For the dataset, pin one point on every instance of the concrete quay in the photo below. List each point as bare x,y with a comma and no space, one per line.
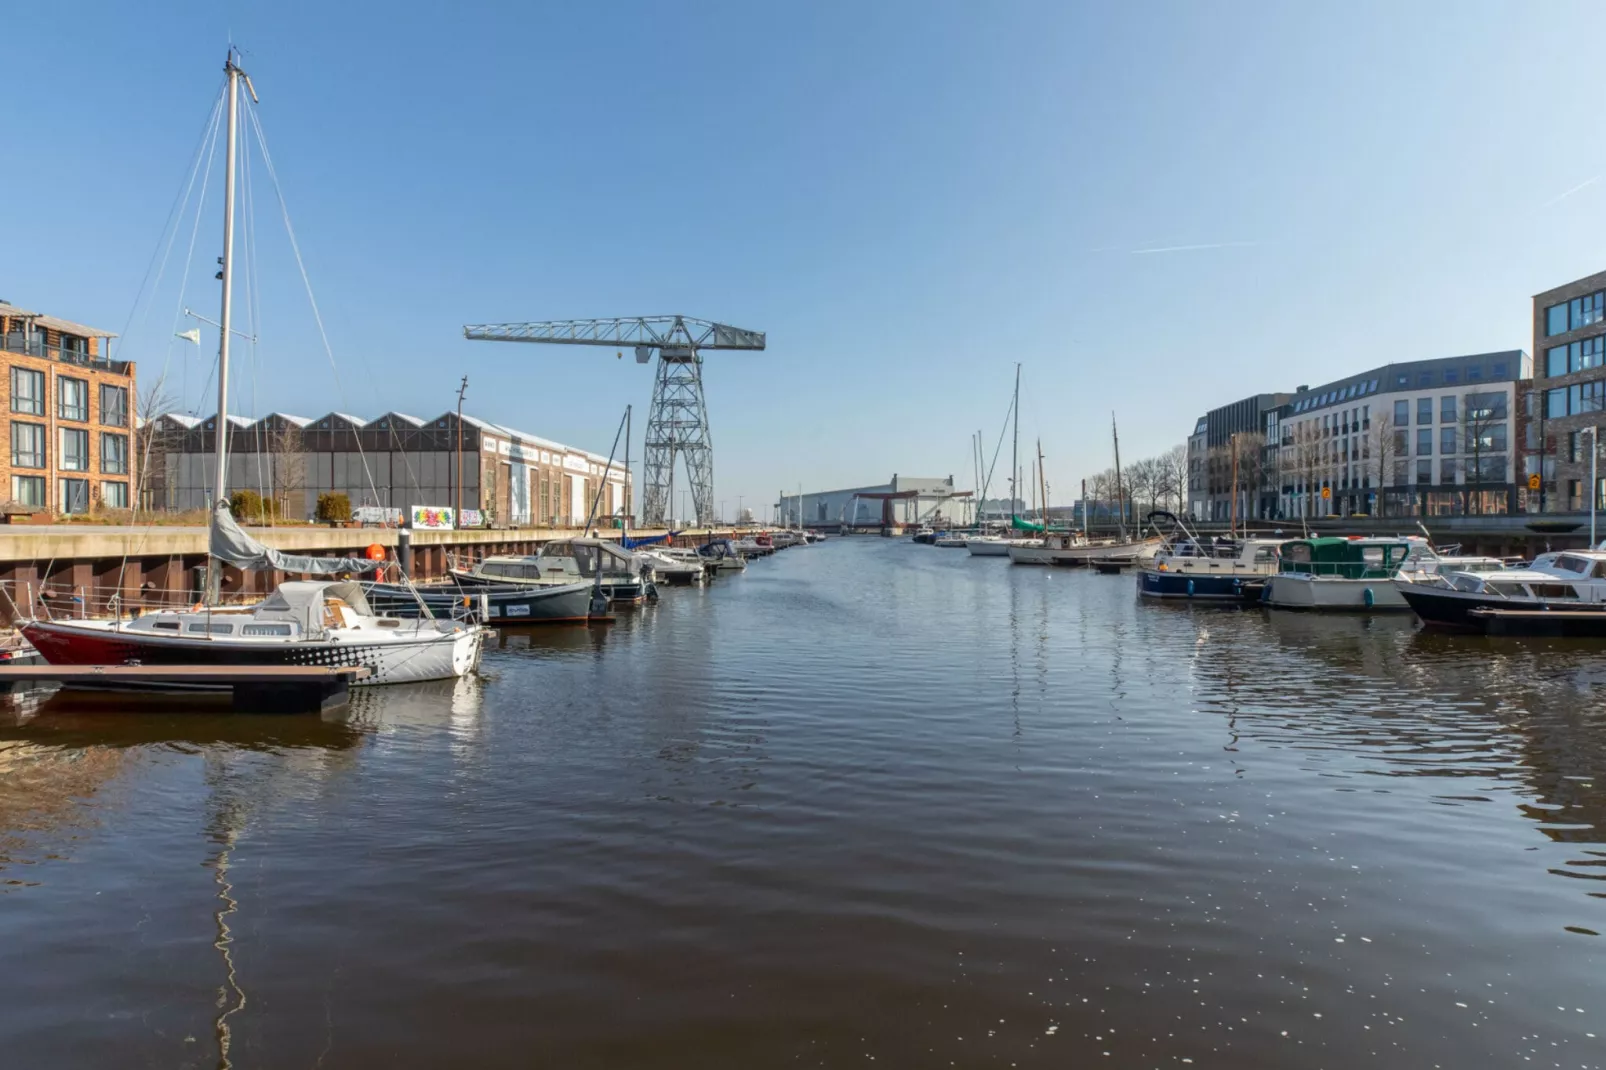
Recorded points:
80,569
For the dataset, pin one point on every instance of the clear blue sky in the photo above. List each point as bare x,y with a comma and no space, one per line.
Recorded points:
909,197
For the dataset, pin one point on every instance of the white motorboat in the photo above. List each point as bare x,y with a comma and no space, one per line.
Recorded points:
565,561
1562,592
1344,574
674,566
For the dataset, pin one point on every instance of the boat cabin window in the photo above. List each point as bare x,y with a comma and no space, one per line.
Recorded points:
1508,590
1553,590
1265,555
211,629
165,625
1571,563
1298,553
1599,571
265,629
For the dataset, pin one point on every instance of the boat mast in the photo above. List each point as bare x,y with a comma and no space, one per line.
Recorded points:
1042,481
1120,497
1014,450
220,485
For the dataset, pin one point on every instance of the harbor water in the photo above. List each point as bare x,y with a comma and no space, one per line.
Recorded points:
868,803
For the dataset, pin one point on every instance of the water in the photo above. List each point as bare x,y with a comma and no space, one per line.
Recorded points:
870,802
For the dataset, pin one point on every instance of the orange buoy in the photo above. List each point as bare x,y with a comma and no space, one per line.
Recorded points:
375,552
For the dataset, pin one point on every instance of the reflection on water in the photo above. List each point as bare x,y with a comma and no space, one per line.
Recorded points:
868,801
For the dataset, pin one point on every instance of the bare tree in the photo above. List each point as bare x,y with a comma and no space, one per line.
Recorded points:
1174,476
287,457
152,440
1483,425
1308,462
1381,450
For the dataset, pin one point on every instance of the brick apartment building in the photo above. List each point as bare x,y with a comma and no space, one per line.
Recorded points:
69,410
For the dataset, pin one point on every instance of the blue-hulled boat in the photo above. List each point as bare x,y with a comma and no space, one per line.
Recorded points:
1209,570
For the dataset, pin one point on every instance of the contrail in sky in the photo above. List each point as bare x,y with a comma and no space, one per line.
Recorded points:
1585,184
1191,248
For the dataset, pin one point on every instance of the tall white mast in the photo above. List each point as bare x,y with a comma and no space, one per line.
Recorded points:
221,485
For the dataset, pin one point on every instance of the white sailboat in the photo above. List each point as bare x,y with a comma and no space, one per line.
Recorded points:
324,623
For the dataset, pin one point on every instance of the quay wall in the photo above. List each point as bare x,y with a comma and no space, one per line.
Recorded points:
79,570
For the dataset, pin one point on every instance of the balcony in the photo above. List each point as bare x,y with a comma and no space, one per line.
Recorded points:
32,347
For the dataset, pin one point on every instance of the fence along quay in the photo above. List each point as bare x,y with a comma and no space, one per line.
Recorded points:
84,570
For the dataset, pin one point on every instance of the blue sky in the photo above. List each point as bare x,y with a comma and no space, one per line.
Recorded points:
908,197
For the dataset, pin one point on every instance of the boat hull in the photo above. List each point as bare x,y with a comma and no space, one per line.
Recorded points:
620,590
1471,611
1300,591
987,549
1197,587
443,653
510,605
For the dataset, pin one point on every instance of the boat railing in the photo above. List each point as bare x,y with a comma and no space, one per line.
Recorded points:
28,599
1346,570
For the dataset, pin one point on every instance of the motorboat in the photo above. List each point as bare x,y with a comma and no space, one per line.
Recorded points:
302,623
567,561
1343,573
678,567
1188,566
1074,549
1560,592
751,546
508,604
788,537
949,541
722,556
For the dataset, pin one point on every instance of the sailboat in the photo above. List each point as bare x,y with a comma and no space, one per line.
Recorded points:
325,622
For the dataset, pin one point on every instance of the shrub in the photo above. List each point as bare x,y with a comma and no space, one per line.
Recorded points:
248,505
334,508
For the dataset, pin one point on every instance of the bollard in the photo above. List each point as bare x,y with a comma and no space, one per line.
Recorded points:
404,550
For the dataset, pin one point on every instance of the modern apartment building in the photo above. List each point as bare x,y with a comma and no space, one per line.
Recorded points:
69,410
1569,330
1415,438
1210,457
392,462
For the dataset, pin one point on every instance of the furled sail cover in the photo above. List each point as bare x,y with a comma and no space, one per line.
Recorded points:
231,545
630,544
1023,525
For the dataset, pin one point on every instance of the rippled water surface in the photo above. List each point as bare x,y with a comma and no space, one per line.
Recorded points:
869,802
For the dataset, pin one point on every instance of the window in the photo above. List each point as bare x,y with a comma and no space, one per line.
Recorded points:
211,629
1556,402
1581,355
1486,439
75,495
114,494
165,625
114,405
113,454
1447,471
74,449
1487,406
28,391
27,445
265,629
1500,370
1447,409
1582,311
29,490
1424,410
1556,361
1402,413
72,402
1474,372
1446,440
1366,417
1490,469
1424,442
1586,397
1556,320
1450,376
1372,387
1403,380
1401,442
1574,446
1424,471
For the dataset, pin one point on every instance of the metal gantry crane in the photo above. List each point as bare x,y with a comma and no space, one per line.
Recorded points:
677,424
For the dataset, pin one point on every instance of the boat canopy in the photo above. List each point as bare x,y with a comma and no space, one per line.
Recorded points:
630,544
1345,558
586,552
303,600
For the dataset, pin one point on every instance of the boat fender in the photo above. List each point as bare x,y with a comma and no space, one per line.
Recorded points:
1190,588
599,602
652,593
1368,597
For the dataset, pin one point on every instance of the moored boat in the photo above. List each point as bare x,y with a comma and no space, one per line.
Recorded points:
1190,567
1561,592
492,604
1343,574
562,562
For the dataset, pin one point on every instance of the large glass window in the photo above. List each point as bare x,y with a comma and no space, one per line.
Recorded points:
113,454
1491,439
1402,413
1424,471
29,490
1556,402
1447,409
1447,471
114,405
1424,442
27,391
1424,410
1401,442
27,445
1447,438
1556,361
1586,353
75,495
114,494
1487,406
1582,311
1491,469
1556,320
72,402
74,449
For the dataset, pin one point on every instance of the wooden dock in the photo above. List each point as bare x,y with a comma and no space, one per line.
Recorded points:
253,688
